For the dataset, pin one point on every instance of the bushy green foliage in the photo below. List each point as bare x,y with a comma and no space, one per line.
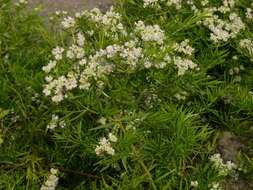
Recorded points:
166,124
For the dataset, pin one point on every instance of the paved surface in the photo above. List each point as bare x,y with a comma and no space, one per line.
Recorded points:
71,6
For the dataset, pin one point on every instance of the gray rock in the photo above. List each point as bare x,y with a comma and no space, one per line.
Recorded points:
229,146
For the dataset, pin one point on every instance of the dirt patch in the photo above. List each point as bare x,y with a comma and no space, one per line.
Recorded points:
102,4
50,6
238,185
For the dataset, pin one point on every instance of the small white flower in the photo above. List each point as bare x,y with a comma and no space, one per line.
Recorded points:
70,54
147,64
55,122
57,98
75,51
102,121
204,2
57,52
105,146
80,39
149,3
52,180
183,65
235,57
78,15
249,13
62,124
176,3
90,32
109,150
57,13
150,33
215,186
68,22
194,184
54,171
51,65
167,58
112,137
223,168
161,65
184,47
83,62
247,44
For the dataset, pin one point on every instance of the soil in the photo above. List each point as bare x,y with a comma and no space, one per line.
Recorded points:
50,6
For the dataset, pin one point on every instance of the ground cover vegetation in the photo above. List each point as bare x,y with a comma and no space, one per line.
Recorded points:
137,97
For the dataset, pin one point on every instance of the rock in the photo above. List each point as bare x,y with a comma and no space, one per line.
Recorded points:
229,146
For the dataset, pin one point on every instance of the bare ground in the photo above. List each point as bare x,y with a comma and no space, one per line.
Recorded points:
49,6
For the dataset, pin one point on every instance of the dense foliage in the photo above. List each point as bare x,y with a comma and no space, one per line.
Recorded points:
133,98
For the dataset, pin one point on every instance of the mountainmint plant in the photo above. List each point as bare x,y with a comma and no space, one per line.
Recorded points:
140,96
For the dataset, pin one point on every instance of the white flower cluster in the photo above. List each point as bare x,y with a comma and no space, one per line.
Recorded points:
194,184
58,13
249,13
176,3
85,71
131,53
151,3
95,67
111,20
102,121
223,168
52,180
204,2
50,66
80,39
181,96
99,66
147,3
247,44
227,5
105,146
215,186
192,5
223,30
150,33
149,60
57,88
184,47
236,70
55,122
184,64
68,22
57,53
75,52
